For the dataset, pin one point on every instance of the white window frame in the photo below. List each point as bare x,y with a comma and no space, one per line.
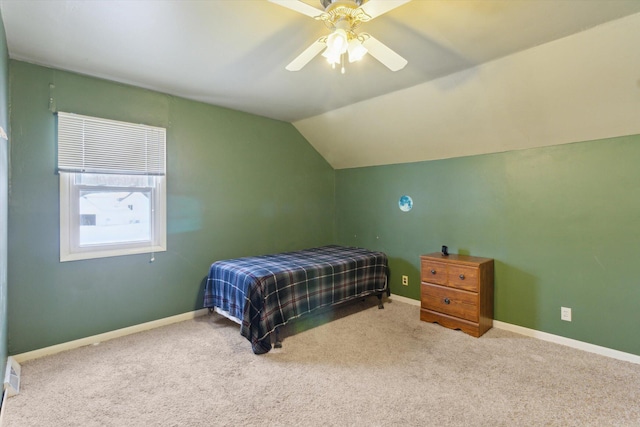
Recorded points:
70,249
72,162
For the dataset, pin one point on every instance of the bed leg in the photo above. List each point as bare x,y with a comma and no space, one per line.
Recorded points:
380,304
278,343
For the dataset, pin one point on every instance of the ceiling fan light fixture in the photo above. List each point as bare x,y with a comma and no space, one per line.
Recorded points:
338,41
356,50
343,17
332,59
332,56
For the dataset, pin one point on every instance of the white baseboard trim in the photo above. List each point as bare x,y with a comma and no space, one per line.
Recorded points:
580,345
47,351
404,300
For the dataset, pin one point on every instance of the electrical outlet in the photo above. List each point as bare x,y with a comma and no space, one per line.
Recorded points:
405,280
565,314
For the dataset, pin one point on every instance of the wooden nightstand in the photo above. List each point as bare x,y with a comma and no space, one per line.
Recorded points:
457,292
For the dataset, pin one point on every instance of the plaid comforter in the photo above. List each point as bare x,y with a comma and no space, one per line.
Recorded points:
264,292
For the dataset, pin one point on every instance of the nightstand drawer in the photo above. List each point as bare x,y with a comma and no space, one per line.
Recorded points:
434,272
461,277
450,301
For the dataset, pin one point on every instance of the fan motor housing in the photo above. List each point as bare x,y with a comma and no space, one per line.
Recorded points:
348,3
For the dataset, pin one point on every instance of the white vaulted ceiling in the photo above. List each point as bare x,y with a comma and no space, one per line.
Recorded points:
482,75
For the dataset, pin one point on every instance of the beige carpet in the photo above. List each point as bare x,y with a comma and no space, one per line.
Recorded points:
366,367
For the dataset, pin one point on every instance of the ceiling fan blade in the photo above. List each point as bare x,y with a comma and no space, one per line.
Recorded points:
300,7
306,56
375,8
382,53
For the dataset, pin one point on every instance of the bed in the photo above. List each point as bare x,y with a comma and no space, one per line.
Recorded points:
262,293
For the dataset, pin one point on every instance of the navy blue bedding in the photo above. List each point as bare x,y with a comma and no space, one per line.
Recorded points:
263,292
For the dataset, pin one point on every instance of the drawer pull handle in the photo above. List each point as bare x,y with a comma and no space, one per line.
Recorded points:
461,276
433,271
447,301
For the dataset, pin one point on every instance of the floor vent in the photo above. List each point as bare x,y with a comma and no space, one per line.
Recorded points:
12,377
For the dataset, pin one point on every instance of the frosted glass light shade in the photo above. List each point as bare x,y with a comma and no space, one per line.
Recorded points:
356,50
337,41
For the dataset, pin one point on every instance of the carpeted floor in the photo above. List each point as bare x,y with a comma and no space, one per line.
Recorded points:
366,367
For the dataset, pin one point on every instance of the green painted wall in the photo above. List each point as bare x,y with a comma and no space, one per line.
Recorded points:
4,191
562,223
237,185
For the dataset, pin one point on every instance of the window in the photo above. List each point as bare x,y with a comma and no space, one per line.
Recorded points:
112,188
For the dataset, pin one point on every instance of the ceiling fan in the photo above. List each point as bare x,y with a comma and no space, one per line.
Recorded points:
343,17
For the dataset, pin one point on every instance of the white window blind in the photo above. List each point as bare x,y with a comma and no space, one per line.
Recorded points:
94,145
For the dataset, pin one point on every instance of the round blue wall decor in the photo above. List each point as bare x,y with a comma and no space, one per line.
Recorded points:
405,203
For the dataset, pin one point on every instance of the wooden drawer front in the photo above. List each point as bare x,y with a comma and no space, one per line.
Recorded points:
450,301
463,278
433,272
